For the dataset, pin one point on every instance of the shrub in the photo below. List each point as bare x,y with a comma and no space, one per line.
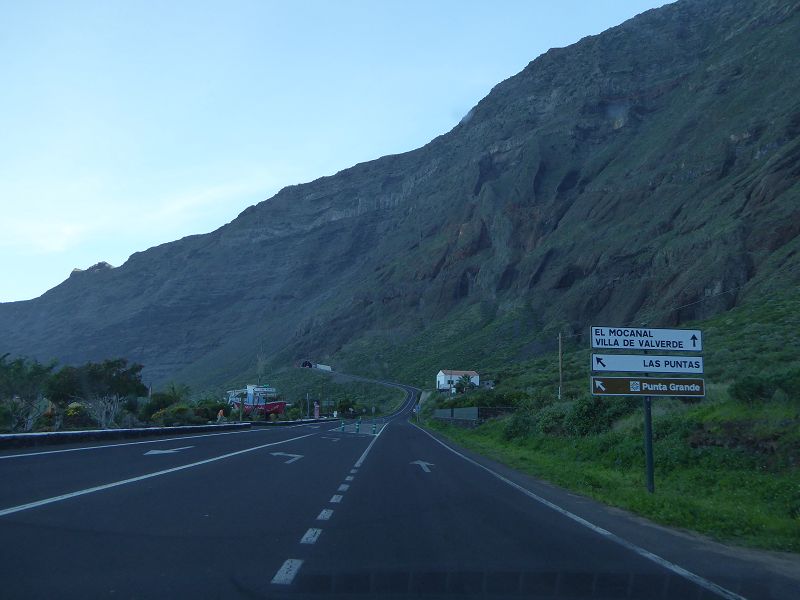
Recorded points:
208,409
551,419
752,389
131,404
590,415
177,414
77,417
156,403
519,425
5,417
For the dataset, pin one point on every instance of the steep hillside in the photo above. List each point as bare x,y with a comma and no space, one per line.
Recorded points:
648,174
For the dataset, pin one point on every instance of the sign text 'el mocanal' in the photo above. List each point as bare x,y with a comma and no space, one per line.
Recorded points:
633,338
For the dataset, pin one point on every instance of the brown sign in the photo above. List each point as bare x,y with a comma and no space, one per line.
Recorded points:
647,386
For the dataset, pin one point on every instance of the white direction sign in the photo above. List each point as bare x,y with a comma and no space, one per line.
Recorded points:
641,363
633,338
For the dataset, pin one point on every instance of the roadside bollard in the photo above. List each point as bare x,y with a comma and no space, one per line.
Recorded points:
374,429
358,425
342,429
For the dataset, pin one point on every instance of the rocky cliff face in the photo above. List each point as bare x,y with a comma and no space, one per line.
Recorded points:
648,174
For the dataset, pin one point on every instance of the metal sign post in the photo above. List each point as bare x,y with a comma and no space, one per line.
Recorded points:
648,444
646,340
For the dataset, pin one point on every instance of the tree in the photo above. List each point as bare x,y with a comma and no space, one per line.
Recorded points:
464,383
107,384
102,387
22,387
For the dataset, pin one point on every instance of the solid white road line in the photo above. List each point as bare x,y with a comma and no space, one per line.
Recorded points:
287,572
678,570
155,441
325,514
311,536
361,460
336,498
21,507
343,488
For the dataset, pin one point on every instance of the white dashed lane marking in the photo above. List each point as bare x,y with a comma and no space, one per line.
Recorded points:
311,536
325,514
343,488
287,572
336,498
349,478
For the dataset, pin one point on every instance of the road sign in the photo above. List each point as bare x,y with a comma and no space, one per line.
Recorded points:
632,338
647,386
642,363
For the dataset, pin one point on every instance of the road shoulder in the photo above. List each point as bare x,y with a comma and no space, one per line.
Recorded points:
698,553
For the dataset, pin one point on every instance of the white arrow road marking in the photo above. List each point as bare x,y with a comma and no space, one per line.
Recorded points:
292,457
599,385
99,488
424,465
172,451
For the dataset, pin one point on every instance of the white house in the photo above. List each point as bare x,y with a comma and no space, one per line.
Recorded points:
447,379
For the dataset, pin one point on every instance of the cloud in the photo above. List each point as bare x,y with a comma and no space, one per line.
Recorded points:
48,235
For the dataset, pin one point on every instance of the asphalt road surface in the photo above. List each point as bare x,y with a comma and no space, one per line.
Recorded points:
312,511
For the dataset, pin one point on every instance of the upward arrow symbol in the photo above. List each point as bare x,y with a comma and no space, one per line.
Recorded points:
694,340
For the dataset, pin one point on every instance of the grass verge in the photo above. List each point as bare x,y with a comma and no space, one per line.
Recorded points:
741,494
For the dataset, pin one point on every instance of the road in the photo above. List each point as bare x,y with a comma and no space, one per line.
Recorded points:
311,511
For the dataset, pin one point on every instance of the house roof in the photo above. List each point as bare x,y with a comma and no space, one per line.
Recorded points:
459,373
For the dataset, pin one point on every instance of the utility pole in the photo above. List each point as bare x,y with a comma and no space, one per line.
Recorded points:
560,370
647,404
308,408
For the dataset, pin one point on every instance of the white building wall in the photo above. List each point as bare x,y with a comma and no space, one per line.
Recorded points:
445,382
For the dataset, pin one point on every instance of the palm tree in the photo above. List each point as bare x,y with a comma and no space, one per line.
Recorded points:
465,382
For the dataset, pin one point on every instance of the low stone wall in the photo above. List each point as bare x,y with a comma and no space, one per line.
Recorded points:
17,440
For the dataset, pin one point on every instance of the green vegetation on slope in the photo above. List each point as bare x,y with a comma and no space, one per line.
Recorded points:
726,466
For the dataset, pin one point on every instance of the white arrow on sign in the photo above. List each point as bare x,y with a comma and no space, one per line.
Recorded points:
423,465
172,451
599,385
292,457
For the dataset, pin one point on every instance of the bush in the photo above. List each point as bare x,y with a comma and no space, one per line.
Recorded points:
77,417
296,412
591,415
551,419
5,417
519,425
177,414
208,409
156,403
752,389
131,404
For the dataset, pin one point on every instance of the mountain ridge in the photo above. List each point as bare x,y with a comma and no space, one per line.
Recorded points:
675,136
